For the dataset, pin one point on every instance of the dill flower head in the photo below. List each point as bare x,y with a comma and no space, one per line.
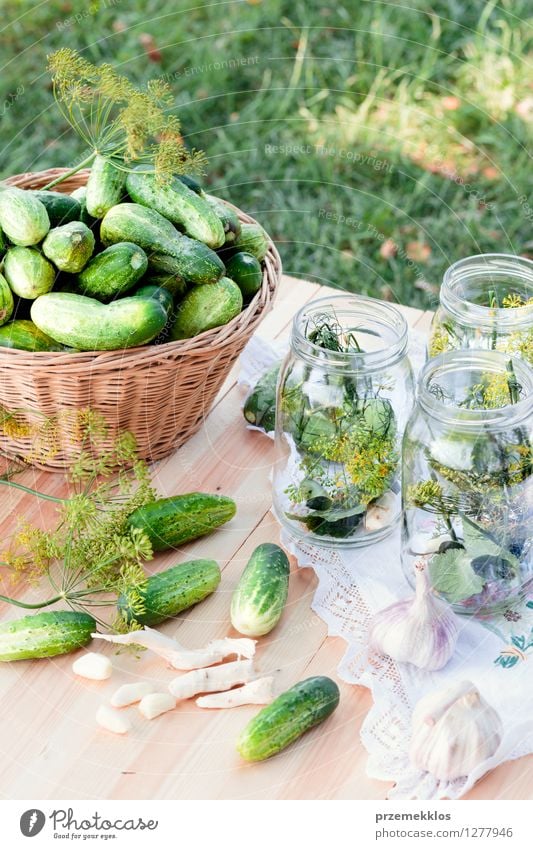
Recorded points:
124,123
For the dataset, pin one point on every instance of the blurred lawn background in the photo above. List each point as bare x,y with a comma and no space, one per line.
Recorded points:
377,143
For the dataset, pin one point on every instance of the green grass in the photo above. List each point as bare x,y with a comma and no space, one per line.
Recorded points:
377,143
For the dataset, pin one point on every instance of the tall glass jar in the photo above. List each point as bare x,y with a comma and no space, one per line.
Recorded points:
345,392
468,480
486,302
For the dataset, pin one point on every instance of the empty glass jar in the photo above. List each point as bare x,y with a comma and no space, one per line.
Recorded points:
345,392
468,480
486,302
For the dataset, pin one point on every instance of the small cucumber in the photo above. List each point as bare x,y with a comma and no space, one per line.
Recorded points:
161,294
289,716
45,635
164,270
113,271
253,240
260,404
132,222
188,210
169,522
28,272
205,307
23,217
105,187
229,218
80,194
245,270
7,303
88,325
24,335
70,246
261,593
61,208
170,592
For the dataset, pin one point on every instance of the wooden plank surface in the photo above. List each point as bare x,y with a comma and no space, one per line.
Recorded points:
50,745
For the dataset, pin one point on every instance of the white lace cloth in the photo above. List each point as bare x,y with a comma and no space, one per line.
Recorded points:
352,586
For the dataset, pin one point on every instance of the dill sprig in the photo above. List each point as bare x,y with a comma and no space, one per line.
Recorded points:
125,124
91,555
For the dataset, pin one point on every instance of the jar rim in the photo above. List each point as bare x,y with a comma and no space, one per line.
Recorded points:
380,312
508,265
491,361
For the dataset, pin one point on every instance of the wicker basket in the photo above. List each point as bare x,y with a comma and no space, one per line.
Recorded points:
160,393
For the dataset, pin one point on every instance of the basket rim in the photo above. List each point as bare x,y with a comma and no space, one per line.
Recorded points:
208,342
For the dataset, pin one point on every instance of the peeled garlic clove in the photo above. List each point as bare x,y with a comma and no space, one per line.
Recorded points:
381,513
155,704
112,720
93,665
422,630
128,694
425,544
454,730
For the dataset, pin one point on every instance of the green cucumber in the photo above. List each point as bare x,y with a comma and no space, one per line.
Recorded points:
28,272
188,210
191,183
131,222
205,307
245,270
289,716
261,593
169,522
60,208
45,635
111,273
170,592
105,187
260,404
24,335
7,303
23,217
164,270
228,216
70,246
80,194
148,290
88,325
253,240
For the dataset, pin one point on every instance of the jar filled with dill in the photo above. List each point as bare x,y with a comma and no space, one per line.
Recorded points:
345,392
486,302
468,481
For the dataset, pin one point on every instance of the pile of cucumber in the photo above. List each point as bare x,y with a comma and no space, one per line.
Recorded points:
124,261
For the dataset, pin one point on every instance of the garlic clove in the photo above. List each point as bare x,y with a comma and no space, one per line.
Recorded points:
422,630
454,730
426,544
112,720
154,704
381,512
93,665
128,694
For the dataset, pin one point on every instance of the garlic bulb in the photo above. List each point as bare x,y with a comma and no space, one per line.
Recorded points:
421,630
454,730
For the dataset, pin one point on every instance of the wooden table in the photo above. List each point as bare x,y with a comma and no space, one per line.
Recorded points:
50,746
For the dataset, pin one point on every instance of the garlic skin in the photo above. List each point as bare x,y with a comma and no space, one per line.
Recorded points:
422,630
454,730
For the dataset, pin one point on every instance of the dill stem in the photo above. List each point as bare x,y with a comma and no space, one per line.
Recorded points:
72,171
33,491
32,606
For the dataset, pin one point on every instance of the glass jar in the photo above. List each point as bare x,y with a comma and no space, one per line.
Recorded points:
468,480
486,302
345,392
